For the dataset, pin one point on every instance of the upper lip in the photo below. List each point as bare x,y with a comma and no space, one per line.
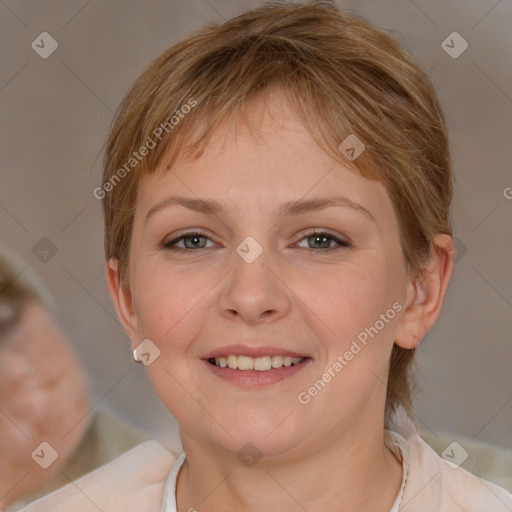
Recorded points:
244,350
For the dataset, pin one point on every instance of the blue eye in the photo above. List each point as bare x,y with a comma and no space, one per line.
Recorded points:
192,240
193,237
324,239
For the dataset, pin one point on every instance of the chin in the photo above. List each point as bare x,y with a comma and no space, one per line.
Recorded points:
264,434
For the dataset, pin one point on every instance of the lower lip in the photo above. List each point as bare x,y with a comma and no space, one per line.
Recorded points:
254,378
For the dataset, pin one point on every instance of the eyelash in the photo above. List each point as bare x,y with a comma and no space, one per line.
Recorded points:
170,246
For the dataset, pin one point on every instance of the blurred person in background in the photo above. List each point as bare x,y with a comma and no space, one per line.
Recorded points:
44,397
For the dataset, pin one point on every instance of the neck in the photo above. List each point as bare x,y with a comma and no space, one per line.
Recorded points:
350,473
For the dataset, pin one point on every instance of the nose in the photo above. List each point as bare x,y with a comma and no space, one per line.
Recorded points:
253,291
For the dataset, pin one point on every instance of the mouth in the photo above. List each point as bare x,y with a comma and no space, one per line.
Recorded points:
260,364
252,373
253,367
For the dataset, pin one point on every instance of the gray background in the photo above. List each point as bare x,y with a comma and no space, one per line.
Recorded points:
54,117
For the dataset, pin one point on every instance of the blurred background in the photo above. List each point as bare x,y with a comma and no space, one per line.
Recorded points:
57,99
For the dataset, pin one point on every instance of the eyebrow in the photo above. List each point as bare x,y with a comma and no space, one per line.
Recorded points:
211,206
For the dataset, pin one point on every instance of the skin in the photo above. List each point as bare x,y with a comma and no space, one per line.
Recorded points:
43,398
314,302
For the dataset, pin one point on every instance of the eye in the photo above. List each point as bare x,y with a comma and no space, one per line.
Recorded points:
191,240
198,240
323,240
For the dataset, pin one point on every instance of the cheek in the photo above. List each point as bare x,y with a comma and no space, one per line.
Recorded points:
350,295
167,304
351,309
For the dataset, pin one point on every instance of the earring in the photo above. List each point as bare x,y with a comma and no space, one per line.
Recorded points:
135,357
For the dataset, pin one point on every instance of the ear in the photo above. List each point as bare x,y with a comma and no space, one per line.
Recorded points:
425,294
121,299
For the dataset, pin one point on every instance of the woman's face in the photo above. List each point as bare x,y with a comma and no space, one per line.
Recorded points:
259,279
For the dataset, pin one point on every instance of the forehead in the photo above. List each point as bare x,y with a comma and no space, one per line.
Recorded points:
261,116
265,150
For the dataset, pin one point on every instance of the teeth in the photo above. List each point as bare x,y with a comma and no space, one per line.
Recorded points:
260,364
277,361
245,363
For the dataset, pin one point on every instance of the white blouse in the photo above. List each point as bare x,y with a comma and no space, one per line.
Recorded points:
144,479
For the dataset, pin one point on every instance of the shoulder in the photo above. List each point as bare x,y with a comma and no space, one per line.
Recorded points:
436,485
463,491
483,459
134,481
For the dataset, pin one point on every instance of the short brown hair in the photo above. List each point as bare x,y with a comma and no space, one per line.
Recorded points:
343,77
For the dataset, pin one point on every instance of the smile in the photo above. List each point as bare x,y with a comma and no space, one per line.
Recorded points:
260,364
258,372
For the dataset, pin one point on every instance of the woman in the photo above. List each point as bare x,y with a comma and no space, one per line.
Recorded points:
276,195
